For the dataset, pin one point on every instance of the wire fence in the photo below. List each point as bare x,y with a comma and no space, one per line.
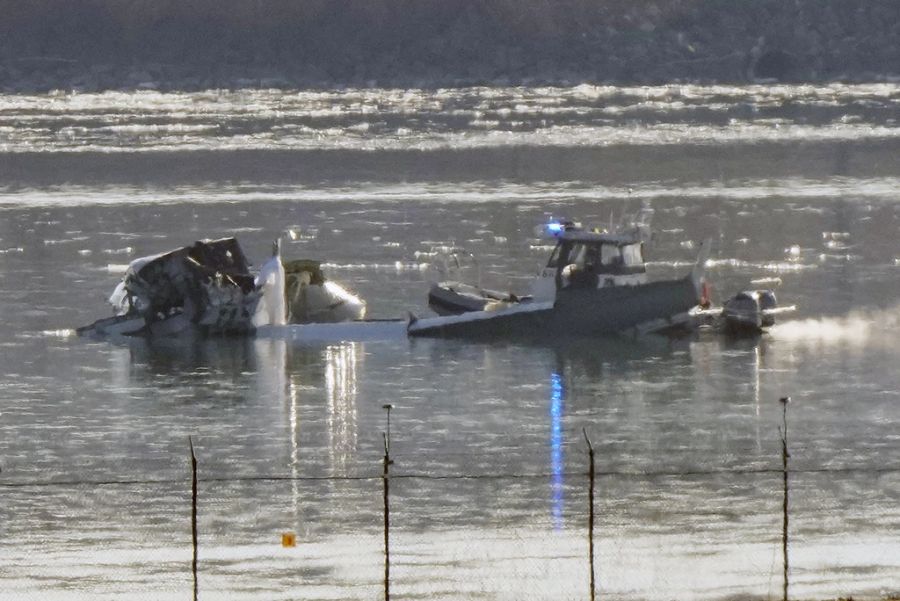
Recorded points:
400,511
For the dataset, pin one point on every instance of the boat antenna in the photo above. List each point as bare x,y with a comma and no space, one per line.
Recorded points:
276,247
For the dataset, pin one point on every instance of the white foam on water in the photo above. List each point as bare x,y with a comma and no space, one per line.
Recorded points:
856,328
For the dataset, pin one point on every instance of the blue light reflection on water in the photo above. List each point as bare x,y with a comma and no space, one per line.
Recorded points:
557,399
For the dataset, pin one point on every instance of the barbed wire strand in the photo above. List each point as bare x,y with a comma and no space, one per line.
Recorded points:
414,476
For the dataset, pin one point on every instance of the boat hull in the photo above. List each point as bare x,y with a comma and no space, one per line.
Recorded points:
575,313
455,298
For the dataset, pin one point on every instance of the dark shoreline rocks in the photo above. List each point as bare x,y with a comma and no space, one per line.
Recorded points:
95,45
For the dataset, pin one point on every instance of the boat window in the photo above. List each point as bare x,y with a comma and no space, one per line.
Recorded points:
592,256
609,254
632,255
556,256
578,254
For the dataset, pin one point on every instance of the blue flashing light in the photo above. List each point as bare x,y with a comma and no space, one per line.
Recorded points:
554,229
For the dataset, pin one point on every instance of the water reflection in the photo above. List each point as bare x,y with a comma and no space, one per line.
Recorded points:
297,382
557,401
341,390
301,378
178,356
294,400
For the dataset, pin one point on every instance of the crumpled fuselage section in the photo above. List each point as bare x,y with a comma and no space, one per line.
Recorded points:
207,284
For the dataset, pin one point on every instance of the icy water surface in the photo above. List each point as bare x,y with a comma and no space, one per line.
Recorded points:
796,187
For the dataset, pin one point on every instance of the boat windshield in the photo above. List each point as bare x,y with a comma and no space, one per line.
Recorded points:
599,257
632,255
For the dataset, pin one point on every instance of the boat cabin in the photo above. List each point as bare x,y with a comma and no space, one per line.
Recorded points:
596,260
591,259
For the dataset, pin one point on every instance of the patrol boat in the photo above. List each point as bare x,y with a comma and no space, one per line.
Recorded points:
594,283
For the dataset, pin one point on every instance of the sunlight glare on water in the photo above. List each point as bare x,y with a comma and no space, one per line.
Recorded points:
794,185
377,119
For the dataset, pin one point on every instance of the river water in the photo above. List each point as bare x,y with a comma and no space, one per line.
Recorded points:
796,186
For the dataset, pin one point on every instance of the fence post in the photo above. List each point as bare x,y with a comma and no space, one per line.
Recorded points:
385,477
194,515
590,510
784,508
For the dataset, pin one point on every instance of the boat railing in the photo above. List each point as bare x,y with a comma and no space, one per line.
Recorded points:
456,260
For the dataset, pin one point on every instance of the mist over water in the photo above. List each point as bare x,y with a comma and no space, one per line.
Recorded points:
795,185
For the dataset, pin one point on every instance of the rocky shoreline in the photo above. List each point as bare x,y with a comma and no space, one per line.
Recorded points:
197,44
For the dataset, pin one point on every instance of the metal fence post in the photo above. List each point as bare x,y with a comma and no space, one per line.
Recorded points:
784,509
590,510
385,477
194,516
